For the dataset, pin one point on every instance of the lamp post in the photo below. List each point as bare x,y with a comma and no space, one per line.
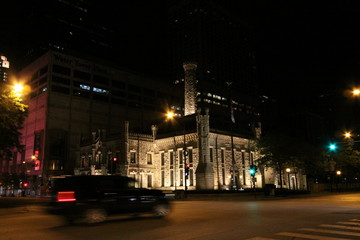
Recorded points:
288,170
170,115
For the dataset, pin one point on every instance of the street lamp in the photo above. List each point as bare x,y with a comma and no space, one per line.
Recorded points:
18,89
347,135
186,167
170,115
356,92
288,170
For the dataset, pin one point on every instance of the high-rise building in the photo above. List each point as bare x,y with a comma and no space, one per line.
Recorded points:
72,96
221,45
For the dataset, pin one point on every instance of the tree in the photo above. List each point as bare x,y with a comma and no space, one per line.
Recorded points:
348,160
279,150
12,115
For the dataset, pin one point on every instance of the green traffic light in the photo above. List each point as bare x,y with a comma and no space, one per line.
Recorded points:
332,147
253,170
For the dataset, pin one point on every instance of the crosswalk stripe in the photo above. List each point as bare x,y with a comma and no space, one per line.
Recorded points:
355,220
350,223
309,236
339,226
330,231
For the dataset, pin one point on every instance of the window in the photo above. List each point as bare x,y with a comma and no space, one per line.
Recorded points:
149,180
171,157
59,89
163,178
181,177
132,157
61,70
149,158
44,80
82,75
191,177
211,154
222,155
223,176
162,158
100,98
61,80
81,94
190,156
118,84
243,157
100,79
100,90
172,178
244,177
43,70
181,158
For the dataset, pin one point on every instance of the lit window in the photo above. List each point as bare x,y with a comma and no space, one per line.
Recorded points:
99,90
217,97
149,158
86,87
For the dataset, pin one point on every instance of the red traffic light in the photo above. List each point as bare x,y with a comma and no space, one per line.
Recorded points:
25,184
115,159
187,165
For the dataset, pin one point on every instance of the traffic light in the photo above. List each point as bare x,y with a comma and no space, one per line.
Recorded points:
253,170
332,147
25,184
187,169
115,159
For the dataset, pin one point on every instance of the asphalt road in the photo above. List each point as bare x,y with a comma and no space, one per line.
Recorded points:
331,216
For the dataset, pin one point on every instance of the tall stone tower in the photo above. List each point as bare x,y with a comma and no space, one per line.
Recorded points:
204,170
190,88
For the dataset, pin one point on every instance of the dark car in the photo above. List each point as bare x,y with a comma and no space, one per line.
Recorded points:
93,198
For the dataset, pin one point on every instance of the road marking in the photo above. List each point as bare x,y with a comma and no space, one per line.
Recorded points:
330,231
309,236
350,223
339,226
261,238
355,220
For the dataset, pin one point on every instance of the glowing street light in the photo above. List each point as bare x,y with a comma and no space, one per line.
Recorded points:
18,89
288,170
170,115
356,92
338,172
347,135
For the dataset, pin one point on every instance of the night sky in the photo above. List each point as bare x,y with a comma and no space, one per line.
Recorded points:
304,49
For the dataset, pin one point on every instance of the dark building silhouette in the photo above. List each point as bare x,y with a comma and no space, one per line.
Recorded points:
222,47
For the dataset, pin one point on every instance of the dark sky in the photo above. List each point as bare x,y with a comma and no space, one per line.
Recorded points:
303,48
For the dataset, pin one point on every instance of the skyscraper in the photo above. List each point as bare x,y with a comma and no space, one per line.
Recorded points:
221,46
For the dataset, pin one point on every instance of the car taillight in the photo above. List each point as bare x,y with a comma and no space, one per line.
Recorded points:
68,196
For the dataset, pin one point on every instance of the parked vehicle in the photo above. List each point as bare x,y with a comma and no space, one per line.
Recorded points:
93,198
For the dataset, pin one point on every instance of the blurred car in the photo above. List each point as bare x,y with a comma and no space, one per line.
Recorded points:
93,198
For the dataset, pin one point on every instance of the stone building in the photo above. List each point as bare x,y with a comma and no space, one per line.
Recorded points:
189,152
